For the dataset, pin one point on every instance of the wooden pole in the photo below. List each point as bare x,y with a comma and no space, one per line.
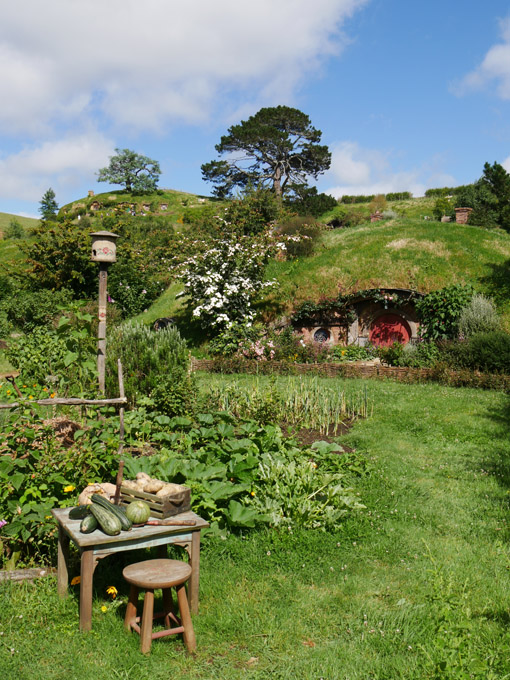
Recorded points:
101,330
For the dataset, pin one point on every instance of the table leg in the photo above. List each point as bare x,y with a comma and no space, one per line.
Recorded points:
87,571
194,558
62,562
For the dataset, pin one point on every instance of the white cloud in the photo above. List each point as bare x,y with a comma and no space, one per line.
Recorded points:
495,68
356,170
506,164
62,164
146,65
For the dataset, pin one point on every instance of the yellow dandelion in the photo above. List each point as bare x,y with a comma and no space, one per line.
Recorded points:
104,609
25,385
8,391
112,590
30,396
69,488
52,395
76,580
252,493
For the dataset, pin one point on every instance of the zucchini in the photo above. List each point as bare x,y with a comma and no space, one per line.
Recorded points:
79,511
88,524
108,522
125,523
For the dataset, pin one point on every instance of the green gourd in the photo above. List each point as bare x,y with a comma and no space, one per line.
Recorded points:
125,523
108,522
79,511
138,512
88,524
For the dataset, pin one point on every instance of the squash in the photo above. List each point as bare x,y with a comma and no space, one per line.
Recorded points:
79,511
108,522
138,512
125,523
88,524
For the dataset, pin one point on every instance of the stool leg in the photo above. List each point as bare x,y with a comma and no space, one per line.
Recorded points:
147,616
189,633
168,606
131,607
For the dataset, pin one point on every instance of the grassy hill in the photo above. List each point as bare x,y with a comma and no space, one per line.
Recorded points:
9,248
403,252
406,251
164,202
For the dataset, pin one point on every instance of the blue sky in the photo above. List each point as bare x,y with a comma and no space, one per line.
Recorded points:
408,95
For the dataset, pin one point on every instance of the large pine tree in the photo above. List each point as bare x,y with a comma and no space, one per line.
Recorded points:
277,147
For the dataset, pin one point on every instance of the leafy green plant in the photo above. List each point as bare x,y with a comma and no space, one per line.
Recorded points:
174,395
440,311
38,473
65,354
353,353
30,308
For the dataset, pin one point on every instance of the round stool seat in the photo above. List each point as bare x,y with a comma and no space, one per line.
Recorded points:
162,573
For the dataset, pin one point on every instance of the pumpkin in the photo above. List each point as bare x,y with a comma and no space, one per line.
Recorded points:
138,512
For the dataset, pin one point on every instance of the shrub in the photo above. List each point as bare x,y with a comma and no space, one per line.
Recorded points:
66,353
227,342
378,203
174,395
303,232
353,353
391,354
440,310
146,355
15,230
132,287
488,352
478,316
28,309
38,473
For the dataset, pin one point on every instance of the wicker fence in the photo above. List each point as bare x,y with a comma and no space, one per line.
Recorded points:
439,374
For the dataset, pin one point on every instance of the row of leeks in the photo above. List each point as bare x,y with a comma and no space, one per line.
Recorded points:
293,401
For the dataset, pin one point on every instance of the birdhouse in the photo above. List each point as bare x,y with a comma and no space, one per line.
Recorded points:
104,247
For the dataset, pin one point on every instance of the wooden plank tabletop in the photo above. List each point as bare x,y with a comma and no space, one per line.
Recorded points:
98,537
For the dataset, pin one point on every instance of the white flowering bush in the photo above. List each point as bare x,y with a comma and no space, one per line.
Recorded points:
222,282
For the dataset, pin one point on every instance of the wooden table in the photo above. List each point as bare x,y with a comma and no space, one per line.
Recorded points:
93,547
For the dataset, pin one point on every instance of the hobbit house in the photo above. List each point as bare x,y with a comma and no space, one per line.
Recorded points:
378,316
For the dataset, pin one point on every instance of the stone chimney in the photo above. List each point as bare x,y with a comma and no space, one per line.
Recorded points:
462,215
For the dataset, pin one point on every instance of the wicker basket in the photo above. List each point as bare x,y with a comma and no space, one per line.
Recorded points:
161,506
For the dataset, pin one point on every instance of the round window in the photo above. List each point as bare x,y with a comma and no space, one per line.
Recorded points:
322,335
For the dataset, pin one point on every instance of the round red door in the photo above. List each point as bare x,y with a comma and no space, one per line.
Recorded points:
390,328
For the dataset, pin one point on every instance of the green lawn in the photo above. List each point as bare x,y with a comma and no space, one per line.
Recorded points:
416,586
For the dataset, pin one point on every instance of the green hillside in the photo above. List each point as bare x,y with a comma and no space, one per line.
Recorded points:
406,251
9,248
403,253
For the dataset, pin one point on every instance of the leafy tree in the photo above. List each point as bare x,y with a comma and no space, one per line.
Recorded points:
307,201
138,174
58,258
48,205
443,206
275,148
489,197
497,180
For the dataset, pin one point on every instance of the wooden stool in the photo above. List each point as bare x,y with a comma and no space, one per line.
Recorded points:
164,574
